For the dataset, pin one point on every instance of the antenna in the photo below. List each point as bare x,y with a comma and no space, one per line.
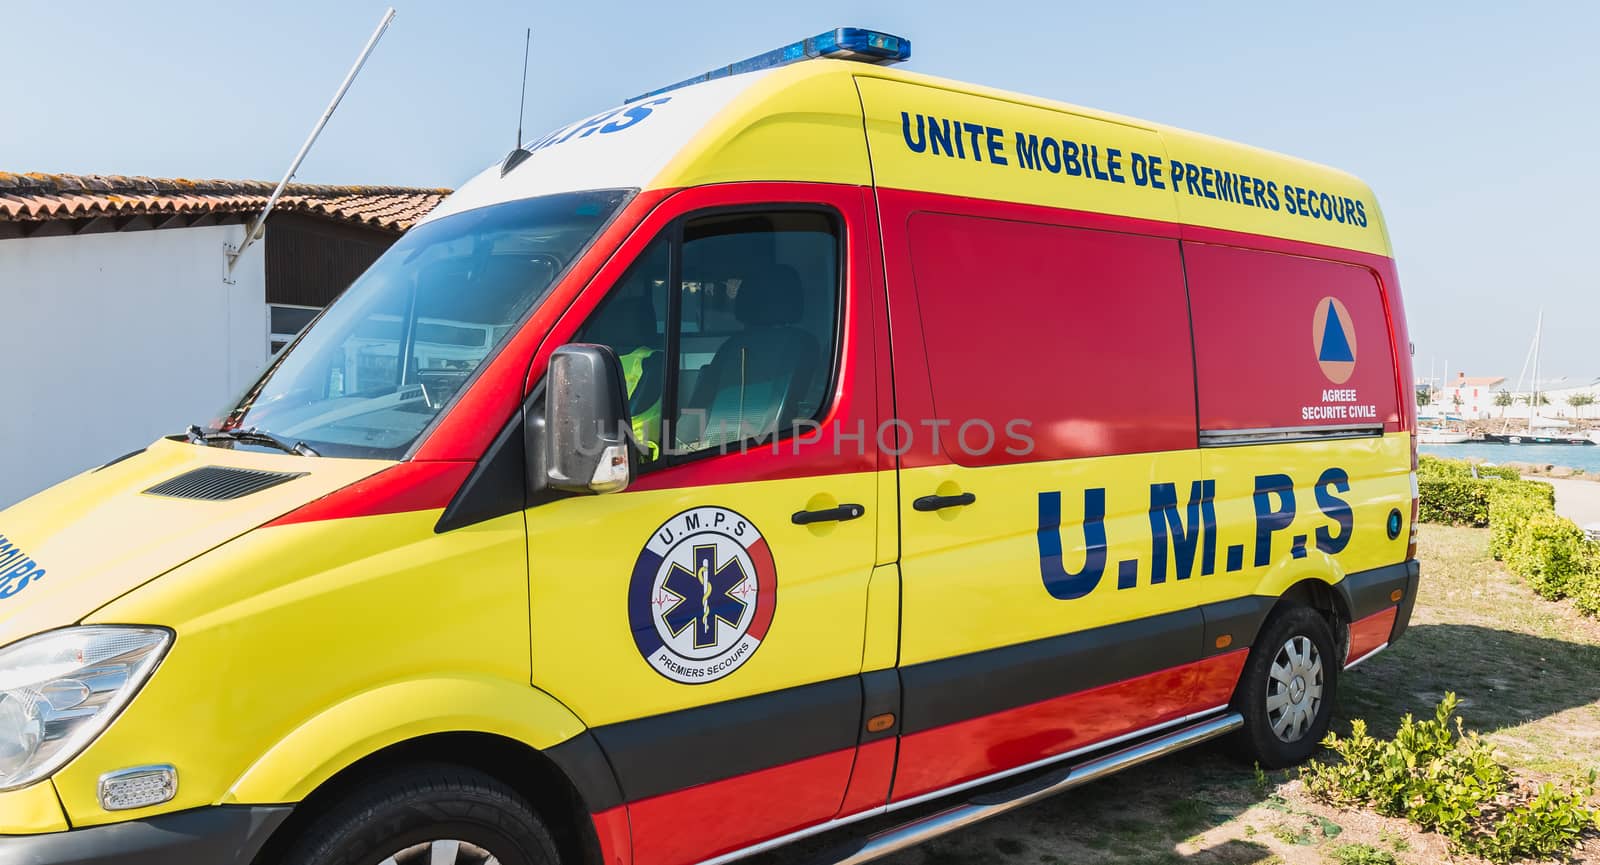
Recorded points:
254,229
522,101
517,154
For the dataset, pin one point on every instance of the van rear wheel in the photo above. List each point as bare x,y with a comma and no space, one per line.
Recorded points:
427,815
1287,690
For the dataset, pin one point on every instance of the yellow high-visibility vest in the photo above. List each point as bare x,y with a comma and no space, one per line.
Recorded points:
646,421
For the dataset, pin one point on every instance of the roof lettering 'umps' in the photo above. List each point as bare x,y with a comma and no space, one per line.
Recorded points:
38,197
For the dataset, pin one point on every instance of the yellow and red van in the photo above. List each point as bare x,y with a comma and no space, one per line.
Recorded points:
797,445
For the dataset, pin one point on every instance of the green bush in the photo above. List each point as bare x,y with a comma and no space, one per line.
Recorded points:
1437,468
1454,501
1505,473
1447,780
1586,595
1539,491
1547,550
1451,495
1508,512
1552,554
1362,854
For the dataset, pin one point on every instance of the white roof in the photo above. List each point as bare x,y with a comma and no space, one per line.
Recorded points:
622,148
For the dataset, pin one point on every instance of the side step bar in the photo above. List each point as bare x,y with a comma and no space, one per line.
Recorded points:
987,805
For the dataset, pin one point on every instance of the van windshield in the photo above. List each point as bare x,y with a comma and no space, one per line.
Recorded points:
374,370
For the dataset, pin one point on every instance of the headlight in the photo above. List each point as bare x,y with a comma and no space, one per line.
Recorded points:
61,689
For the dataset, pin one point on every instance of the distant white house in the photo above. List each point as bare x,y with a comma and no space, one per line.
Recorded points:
123,322
1467,397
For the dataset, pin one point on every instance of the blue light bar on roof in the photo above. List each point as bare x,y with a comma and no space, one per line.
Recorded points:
844,43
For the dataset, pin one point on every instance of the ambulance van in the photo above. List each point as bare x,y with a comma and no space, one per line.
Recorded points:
805,443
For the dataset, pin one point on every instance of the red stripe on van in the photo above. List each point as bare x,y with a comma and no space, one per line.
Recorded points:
410,486
1262,360
465,432
711,819
1077,339
955,753
611,830
871,780
916,376
1370,633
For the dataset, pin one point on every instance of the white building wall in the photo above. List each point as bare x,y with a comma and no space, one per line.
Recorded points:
1560,407
114,340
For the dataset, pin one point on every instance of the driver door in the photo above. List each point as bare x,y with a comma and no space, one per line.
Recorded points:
707,623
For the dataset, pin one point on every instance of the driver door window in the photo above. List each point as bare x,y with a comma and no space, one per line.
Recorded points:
744,348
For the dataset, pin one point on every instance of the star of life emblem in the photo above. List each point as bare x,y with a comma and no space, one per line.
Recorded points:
702,595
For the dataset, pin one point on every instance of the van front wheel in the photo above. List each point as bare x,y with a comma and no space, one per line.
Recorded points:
1287,690
428,815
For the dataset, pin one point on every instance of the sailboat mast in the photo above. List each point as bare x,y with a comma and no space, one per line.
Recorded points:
1533,404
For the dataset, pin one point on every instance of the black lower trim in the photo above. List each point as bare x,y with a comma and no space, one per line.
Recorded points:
665,753
585,765
1402,617
223,835
982,683
669,752
1238,618
1368,592
880,693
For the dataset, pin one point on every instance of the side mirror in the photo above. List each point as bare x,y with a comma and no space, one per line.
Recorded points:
588,440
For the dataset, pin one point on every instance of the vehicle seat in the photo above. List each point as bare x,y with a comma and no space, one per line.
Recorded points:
631,327
756,379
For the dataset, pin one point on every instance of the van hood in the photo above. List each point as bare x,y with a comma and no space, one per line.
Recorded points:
81,544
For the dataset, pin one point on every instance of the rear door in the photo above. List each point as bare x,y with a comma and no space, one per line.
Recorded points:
711,637
1301,426
1054,363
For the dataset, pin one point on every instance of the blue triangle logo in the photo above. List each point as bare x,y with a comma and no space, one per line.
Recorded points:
1335,347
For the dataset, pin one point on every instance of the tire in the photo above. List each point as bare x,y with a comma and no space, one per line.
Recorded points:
399,818
1286,709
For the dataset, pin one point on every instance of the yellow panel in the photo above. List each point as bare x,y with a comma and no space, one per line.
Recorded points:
33,810
1379,471
972,575
800,123
1304,201
286,626
1034,151
372,720
98,536
805,122
888,517
988,162
883,619
582,553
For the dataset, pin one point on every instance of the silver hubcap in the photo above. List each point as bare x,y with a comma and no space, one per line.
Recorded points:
1294,689
442,852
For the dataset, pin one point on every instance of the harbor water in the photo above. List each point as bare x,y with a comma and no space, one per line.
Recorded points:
1586,457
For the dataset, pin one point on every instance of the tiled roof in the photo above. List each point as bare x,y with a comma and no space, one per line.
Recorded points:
41,197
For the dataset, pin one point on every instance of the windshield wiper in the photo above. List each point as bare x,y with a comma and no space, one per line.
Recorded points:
252,436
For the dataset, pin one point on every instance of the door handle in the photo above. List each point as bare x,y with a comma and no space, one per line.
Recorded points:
839,514
939,503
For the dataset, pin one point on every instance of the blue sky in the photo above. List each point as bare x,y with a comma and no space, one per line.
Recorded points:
1475,122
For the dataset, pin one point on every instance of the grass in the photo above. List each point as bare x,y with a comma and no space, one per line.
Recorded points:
1527,669
1361,854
